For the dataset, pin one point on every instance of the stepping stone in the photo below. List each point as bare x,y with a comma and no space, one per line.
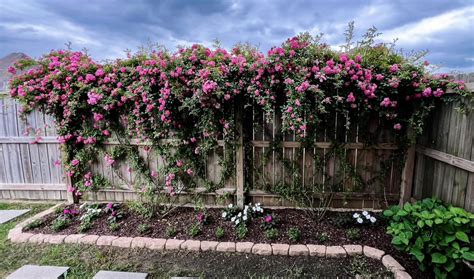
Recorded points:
39,272
7,215
103,274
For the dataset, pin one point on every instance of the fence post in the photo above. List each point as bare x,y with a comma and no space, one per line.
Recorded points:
407,175
239,155
67,179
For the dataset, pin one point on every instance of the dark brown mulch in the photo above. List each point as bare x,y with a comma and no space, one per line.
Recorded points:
334,224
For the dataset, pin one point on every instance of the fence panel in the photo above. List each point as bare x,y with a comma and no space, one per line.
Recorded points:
445,157
28,171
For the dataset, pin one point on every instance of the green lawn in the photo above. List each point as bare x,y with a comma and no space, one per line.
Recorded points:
85,261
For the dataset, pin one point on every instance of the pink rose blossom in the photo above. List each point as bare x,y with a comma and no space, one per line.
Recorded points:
427,92
108,159
350,98
438,93
90,78
386,102
394,68
99,72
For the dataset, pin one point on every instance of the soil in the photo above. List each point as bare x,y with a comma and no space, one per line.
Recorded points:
231,265
334,224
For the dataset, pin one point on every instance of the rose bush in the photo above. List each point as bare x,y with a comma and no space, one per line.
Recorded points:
191,96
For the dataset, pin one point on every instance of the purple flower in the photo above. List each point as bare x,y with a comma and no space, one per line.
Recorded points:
268,218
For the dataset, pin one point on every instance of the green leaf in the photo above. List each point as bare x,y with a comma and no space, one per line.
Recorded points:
420,223
468,256
388,213
419,243
449,238
438,258
407,207
396,241
462,236
438,221
402,213
450,266
418,254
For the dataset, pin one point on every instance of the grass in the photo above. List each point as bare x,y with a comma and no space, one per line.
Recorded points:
86,261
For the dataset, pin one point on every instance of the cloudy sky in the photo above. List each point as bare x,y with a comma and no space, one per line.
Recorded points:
108,27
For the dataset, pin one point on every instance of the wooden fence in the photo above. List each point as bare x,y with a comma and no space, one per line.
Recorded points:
443,163
30,171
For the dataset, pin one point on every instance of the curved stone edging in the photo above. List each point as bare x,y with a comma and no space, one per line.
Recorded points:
16,235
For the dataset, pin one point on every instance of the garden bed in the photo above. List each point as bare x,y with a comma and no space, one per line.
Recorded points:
166,264
335,228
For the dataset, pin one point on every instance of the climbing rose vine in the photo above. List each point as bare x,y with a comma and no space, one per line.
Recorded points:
191,96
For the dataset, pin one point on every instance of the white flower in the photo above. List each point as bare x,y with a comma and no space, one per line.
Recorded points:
246,207
237,221
245,218
224,214
356,215
232,219
240,214
359,220
372,219
230,205
367,216
365,213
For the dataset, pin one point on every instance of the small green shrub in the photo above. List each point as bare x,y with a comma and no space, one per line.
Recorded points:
114,226
271,233
294,234
194,229
142,209
60,224
322,237
171,231
342,220
143,228
353,233
219,232
241,231
85,226
58,210
35,224
90,212
438,236
268,222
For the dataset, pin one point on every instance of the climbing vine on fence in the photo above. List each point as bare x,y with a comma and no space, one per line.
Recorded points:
182,103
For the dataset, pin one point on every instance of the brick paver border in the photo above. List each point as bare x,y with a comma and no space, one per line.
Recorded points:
17,235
